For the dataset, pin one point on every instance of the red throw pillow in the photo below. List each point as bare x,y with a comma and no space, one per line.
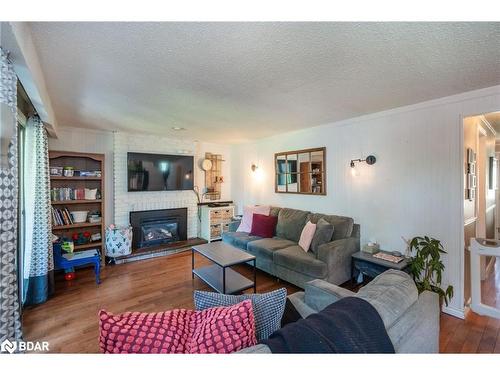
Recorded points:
263,226
213,330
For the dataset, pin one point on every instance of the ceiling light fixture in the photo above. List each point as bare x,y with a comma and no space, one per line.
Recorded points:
178,128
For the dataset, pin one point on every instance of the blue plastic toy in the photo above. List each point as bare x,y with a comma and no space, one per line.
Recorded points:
80,258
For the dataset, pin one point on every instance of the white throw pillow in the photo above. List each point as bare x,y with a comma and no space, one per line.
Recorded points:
307,235
248,211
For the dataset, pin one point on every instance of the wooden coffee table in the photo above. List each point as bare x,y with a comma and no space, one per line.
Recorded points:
219,275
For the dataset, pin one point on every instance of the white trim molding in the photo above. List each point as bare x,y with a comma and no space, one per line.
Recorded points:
487,124
470,221
453,311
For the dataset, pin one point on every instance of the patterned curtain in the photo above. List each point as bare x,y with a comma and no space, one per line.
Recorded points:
10,321
38,256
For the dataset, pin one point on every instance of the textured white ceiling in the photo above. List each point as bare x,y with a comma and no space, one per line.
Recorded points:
233,82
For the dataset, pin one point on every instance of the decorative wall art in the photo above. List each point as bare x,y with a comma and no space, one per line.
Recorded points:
301,171
470,177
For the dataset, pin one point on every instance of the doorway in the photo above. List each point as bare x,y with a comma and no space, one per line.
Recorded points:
481,195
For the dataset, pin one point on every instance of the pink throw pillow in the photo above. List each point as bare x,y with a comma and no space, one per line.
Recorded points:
223,329
248,211
306,236
214,330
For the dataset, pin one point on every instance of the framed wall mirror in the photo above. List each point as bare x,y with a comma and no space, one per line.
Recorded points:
301,171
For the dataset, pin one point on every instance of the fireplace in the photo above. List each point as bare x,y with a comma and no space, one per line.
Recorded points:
158,227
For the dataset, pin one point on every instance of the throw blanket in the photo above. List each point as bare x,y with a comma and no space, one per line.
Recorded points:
350,325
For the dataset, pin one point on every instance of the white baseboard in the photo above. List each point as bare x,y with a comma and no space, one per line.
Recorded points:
453,311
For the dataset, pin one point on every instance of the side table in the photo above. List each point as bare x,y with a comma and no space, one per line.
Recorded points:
364,264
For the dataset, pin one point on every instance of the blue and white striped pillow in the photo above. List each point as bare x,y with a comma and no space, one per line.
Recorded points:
268,308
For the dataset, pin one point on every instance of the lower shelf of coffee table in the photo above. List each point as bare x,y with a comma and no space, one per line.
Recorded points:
212,275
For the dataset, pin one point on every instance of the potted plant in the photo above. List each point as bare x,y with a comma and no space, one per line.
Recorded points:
427,268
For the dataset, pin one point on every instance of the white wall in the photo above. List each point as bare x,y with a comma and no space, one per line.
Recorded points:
415,188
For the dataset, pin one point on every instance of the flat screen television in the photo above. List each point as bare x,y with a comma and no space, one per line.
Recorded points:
154,172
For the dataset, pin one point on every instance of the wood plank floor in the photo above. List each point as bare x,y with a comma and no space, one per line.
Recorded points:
475,334
68,321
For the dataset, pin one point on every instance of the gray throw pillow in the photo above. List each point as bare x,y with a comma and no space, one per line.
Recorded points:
323,234
268,308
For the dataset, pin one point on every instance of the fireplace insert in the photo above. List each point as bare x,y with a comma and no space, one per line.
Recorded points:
157,227
156,232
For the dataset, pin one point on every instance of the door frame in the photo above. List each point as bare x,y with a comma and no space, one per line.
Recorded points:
460,164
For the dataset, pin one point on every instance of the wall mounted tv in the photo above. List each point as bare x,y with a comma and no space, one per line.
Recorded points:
154,172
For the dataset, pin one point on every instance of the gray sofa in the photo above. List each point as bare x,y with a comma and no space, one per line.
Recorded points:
282,257
411,320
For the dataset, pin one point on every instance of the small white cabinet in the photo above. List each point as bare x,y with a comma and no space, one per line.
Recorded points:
215,221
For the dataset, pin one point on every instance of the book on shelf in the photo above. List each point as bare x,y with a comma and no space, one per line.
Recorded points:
68,194
61,216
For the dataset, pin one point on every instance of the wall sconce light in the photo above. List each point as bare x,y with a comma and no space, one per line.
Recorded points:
254,167
370,160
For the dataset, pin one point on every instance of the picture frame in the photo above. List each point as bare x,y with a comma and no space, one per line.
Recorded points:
472,168
471,194
471,181
471,156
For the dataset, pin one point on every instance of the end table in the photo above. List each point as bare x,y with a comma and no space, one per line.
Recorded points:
367,265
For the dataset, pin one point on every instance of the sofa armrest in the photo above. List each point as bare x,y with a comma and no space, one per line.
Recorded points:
337,256
233,225
417,330
320,293
255,349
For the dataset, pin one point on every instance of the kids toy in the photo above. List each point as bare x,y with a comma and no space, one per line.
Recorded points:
80,258
81,238
68,246
69,274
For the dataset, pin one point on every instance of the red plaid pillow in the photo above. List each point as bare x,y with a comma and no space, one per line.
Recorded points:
214,330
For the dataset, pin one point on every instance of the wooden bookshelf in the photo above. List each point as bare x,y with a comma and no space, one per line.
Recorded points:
80,162
77,225
75,178
88,246
77,201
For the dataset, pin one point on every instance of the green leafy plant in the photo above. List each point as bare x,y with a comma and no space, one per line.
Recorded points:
427,268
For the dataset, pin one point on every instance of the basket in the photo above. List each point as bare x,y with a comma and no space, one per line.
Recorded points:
118,241
79,216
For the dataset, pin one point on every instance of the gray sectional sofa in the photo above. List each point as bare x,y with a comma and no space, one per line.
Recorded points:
411,320
282,257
